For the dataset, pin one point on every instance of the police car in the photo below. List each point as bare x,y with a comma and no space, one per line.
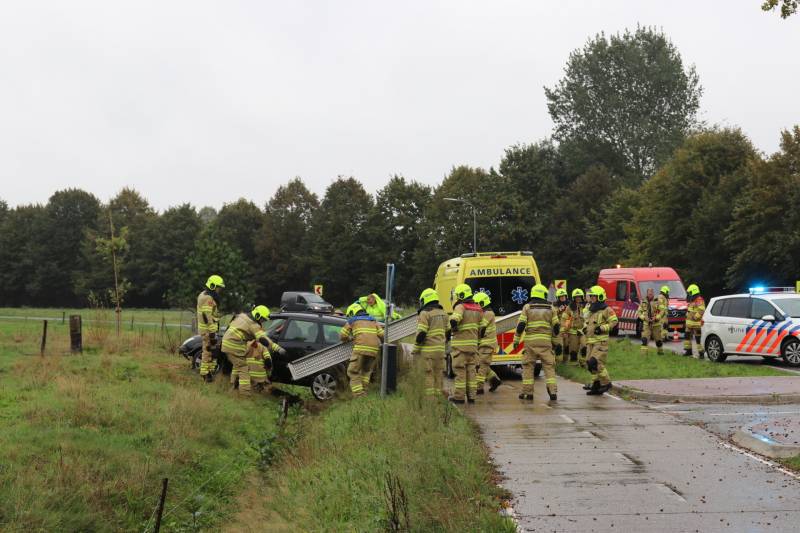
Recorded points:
765,322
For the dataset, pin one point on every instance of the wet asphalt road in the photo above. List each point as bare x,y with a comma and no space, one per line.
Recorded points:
602,464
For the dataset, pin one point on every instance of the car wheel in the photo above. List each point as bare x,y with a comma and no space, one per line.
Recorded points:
791,352
537,369
196,358
324,386
714,349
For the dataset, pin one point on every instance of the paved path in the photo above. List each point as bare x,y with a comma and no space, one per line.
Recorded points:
710,389
602,464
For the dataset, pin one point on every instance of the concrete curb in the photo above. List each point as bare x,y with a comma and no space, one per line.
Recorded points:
774,399
764,445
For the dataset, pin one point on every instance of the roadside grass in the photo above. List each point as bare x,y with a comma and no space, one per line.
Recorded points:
404,463
140,317
792,463
626,362
85,441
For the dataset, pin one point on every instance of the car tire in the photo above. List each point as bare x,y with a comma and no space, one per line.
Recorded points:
196,357
324,386
714,349
791,352
537,370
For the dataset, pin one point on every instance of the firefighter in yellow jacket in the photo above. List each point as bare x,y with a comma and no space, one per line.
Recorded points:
465,323
539,329
433,329
487,345
576,332
600,320
663,301
366,334
651,313
694,317
560,307
208,323
245,329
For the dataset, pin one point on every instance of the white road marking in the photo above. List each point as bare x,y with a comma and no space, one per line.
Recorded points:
760,413
568,419
767,462
612,396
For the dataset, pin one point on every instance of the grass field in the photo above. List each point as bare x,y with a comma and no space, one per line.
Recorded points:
626,362
129,318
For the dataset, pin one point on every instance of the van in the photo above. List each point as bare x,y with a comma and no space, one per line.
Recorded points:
507,277
625,287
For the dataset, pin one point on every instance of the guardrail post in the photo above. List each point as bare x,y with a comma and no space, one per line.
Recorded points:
388,321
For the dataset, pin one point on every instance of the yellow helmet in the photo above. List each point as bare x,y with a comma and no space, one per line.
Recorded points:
561,292
482,299
693,290
578,292
260,312
214,281
664,290
539,291
354,309
428,296
598,291
463,291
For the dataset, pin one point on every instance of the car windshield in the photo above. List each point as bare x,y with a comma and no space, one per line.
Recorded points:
676,289
508,294
313,298
789,306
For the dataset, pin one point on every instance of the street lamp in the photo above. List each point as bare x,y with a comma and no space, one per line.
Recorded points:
474,221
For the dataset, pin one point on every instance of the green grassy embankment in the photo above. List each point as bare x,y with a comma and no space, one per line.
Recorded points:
625,361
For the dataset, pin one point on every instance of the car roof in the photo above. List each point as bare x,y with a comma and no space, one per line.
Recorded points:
314,317
642,273
767,295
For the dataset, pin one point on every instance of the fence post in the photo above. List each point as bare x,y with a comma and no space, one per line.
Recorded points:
75,334
161,504
44,337
63,317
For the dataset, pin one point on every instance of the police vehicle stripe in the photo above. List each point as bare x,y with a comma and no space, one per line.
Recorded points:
775,347
766,327
763,345
750,330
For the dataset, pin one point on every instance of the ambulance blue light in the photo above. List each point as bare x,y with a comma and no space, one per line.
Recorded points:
757,290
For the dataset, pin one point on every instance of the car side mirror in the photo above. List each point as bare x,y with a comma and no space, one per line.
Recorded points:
768,318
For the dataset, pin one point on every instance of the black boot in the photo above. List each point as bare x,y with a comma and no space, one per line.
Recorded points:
208,378
479,391
553,396
595,390
470,400
687,352
701,355
456,401
605,388
587,386
494,382
524,396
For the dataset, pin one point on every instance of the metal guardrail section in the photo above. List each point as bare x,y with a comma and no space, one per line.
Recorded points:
340,353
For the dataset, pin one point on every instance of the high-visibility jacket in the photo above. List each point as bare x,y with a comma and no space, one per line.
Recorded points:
599,314
242,331
538,319
207,312
573,319
365,332
467,316
489,330
377,311
663,301
560,308
433,322
694,312
652,311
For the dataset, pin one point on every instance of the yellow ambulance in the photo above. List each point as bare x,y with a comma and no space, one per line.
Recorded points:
507,277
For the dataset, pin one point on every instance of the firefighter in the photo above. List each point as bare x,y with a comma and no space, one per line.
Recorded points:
487,346
465,324
539,323
376,307
694,316
433,329
560,308
245,329
663,301
576,334
651,313
259,361
600,320
208,323
366,334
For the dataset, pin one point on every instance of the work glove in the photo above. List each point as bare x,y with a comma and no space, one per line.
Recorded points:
556,329
268,364
559,349
598,330
281,350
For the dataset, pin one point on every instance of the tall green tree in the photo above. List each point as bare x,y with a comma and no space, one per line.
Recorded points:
687,205
764,231
627,94
284,243
23,242
340,242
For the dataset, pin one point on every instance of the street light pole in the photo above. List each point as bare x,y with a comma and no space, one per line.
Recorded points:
474,221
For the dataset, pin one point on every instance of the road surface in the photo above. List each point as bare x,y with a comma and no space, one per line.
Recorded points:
603,464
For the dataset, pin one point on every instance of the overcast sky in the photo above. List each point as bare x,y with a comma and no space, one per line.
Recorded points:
210,101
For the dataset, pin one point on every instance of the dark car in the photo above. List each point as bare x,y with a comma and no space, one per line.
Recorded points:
299,334
304,302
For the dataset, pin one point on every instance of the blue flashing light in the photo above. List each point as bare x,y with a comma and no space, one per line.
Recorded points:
757,290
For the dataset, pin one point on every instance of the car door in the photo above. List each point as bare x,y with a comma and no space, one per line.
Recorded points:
761,331
735,323
299,338
330,334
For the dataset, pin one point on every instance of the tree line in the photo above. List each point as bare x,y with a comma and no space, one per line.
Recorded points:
629,176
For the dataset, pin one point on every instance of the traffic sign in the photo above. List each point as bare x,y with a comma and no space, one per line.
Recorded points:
318,290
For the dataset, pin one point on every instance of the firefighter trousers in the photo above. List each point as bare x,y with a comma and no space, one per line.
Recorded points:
576,346
434,366
359,371
241,373
599,351
483,366
255,364
465,382
652,331
544,353
692,332
206,359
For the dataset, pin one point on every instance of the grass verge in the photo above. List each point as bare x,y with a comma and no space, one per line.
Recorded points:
85,441
405,463
625,361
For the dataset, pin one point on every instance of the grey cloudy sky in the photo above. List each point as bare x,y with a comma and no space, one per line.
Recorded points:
210,101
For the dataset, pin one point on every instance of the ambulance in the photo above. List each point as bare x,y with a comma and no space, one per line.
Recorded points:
507,277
